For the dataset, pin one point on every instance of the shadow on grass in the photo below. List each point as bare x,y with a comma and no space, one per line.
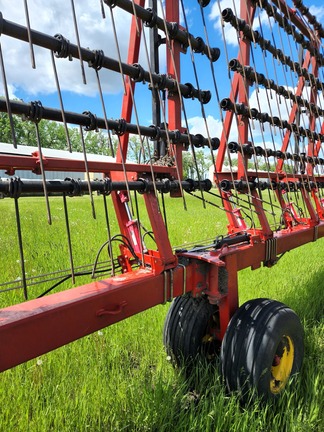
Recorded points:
307,299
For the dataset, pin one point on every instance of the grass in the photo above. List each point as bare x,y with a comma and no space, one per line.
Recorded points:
119,379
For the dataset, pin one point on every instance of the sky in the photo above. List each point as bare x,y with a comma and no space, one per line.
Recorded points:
96,32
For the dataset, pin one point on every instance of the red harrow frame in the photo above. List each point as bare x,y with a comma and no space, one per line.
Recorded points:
202,279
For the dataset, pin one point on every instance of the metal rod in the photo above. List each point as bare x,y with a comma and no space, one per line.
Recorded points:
21,249
32,54
68,232
5,86
177,33
22,108
50,42
9,187
78,42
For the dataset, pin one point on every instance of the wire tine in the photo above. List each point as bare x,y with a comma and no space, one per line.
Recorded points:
136,19
41,162
139,227
215,87
130,87
196,76
311,140
181,102
111,256
231,200
61,103
21,249
201,104
118,49
105,114
164,213
276,97
31,47
125,175
68,232
217,94
87,173
5,87
78,42
152,173
165,123
102,7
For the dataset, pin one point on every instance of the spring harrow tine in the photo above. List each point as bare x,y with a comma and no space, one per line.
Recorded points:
31,47
6,92
20,244
75,22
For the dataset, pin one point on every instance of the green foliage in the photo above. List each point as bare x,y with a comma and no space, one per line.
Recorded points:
119,379
201,163
53,135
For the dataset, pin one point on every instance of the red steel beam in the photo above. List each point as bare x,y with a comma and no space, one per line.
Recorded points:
291,15
35,327
293,112
31,163
173,68
239,90
127,105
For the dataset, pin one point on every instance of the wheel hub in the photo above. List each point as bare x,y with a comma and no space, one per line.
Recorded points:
282,364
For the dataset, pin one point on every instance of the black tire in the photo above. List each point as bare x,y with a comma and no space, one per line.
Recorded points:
189,330
262,348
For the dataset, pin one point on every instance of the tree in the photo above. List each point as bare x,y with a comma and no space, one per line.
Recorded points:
53,135
139,152
190,166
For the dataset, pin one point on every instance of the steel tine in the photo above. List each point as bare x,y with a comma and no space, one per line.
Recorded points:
109,236
78,42
87,173
102,8
5,87
31,47
61,103
21,248
68,232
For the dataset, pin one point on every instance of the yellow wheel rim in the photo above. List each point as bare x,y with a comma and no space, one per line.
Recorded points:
282,364
210,344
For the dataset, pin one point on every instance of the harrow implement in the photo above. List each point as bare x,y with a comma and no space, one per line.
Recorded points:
263,87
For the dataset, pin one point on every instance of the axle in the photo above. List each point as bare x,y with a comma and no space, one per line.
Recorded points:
16,187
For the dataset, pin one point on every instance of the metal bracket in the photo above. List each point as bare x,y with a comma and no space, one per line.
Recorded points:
270,252
184,290
315,233
165,286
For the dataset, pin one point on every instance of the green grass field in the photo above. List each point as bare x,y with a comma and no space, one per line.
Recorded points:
119,379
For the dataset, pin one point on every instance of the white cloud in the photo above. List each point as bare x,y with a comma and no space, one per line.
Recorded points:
317,11
197,126
215,127
12,92
230,33
55,16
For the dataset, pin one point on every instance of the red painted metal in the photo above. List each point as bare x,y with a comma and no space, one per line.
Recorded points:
127,106
35,327
127,226
38,326
166,257
13,163
173,66
293,112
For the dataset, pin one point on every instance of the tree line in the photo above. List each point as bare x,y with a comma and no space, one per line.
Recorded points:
53,135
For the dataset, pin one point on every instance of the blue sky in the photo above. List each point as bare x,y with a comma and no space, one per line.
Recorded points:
54,16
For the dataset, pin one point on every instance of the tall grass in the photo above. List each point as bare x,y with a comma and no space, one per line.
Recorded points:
119,379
